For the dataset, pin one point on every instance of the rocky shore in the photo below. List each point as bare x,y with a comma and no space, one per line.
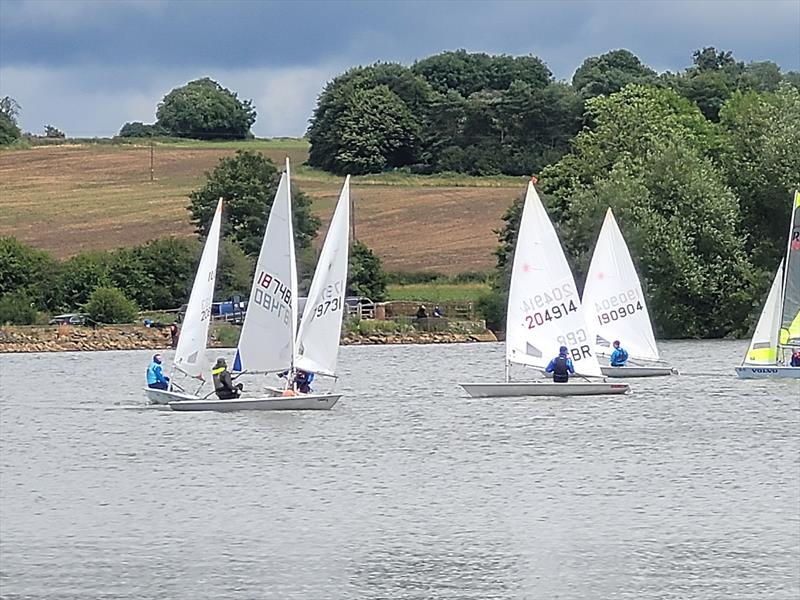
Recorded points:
65,338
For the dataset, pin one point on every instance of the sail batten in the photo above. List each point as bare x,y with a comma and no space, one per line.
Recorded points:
544,310
613,298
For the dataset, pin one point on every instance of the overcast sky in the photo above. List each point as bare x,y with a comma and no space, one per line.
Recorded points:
87,67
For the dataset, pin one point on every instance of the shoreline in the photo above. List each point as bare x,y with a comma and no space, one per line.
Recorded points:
65,338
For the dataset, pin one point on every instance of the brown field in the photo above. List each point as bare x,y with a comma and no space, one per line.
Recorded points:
67,199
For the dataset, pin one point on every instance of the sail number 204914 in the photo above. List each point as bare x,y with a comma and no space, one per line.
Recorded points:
547,306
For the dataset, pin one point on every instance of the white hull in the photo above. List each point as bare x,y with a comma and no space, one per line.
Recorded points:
637,371
766,372
301,402
543,388
165,397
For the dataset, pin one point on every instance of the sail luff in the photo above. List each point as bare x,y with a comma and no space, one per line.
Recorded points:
190,353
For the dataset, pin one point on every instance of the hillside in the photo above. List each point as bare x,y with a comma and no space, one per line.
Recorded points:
75,197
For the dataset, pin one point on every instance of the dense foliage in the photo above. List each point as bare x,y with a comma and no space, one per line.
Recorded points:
9,132
484,115
109,305
247,182
203,109
472,113
366,276
139,129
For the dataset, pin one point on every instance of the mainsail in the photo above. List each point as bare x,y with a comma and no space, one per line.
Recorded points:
790,312
267,340
190,354
320,329
763,348
613,298
544,311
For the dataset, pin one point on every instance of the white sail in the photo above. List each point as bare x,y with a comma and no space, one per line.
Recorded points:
190,354
613,299
544,311
267,340
763,348
320,329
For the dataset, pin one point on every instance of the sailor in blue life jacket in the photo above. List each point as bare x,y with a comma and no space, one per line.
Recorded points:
619,357
561,366
155,375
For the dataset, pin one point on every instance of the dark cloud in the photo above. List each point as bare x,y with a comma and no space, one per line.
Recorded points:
132,48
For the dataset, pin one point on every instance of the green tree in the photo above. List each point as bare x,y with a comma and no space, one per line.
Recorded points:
9,131
609,73
376,131
366,274
138,129
335,124
247,181
28,271
203,109
109,305
235,271
80,276
16,308
761,160
170,263
467,73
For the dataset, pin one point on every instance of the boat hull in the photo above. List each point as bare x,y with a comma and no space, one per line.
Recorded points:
637,371
543,388
165,397
776,372
301,402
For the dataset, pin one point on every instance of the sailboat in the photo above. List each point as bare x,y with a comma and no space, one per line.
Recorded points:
270,342
616,307
544,313
190,354
777,333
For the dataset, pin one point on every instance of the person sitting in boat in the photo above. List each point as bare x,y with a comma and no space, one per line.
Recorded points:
619,357
561,366
795,362
156,380
302,380
223,383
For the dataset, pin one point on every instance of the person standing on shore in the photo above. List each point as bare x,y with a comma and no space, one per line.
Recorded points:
156,379
174,333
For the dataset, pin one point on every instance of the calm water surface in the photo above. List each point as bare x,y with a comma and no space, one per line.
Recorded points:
687,488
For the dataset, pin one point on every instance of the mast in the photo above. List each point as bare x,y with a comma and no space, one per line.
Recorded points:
292,271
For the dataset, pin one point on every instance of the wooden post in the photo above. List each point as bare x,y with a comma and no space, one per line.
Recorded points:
151,159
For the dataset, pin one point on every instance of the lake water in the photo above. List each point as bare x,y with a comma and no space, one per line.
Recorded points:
687,488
